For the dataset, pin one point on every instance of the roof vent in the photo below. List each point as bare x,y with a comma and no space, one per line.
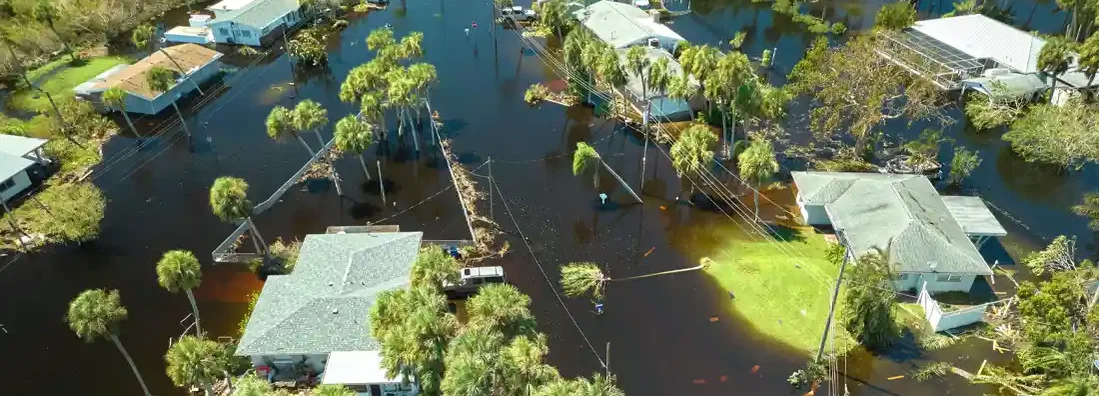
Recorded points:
335,311
933,265
330,284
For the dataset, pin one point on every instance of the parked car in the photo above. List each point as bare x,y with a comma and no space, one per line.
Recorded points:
471,279
518,13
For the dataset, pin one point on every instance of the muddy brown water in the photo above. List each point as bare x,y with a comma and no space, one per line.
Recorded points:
662,341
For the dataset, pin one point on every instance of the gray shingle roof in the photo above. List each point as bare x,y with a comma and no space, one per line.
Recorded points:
622,24
260,13
901,213
323,305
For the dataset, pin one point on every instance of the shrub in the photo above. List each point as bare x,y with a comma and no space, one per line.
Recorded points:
536,94
962,165
835,253
243,324
844,165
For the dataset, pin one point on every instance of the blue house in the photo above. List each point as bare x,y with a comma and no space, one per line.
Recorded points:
198,63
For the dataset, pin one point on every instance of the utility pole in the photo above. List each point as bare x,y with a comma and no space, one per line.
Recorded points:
381,184
832,306
491,181
607,365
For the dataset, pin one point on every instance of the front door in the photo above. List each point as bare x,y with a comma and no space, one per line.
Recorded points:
375,390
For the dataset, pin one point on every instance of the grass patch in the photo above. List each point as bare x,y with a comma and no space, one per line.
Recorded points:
60,84
772,292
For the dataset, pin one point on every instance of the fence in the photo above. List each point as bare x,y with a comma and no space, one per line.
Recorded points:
941,320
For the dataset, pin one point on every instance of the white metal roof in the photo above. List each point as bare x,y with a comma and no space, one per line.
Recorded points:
355,368
229,5
974,217
19,145
983,37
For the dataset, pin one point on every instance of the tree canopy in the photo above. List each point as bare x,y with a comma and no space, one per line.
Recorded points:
194,361
868,312
895,16
96,314
229,199
433,268
691,153
1066,136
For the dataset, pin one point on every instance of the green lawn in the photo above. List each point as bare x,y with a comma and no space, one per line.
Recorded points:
772,292
61,83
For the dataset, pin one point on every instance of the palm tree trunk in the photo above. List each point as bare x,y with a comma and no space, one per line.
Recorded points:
1053,89
415,131
206,387
381,183
319,138
257,239
676,271
117,343
362,162
194,308
129,122
306,145
186,75
724,139
619,178
757,202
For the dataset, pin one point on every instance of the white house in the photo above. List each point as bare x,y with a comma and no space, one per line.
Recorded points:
252,22
17,155
624,25
197,62
926,237
315,321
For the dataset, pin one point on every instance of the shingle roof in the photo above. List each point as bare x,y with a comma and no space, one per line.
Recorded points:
622,24
324,305
132,78
901,213
259,13
983,37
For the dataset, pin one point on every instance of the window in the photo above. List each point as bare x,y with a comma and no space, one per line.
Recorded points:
246,33
7,184
902,277
223,31
949,278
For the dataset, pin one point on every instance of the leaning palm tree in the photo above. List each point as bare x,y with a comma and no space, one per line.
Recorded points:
1054,59
332,390
310,116
585,158
116,98
45,12
280,122
757,164
196,361
179,270
582,278
354,136
96,314
658,80
161,80
229,202
434,268
144,38
691,153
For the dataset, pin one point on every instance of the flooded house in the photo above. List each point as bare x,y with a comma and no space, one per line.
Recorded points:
313,325
975,52
193,61
661,106
241,22
19,157
930,240
624,25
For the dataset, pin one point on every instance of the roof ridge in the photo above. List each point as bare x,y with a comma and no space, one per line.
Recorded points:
937,235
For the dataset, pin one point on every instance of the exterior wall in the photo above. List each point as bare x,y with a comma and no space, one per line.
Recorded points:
228,32
186,38
316,361
137,104
667,43
814,214
912,281
21,180
941,320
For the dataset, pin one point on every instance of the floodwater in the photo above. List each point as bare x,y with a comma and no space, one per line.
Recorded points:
662,341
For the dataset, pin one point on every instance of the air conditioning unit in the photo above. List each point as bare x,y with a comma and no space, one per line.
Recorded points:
654,42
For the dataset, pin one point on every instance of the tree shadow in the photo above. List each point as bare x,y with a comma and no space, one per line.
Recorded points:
372,188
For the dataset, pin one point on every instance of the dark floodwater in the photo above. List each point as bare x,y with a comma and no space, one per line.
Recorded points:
663,342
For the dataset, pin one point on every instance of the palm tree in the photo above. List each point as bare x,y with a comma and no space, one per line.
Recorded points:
332,390
502,307
116,98
401,94
177,271
1089,57
310,116
731,85
473,364
868,310
355,136
412,46
434,268
196,361
691,153
95,314
1054,59
161,80
414,329
144,38
555,15
658,81
580,278
423,75
45,12
699,61
757,164
372,109
1089,207
229,202
586,158
524,363
637,62
280,122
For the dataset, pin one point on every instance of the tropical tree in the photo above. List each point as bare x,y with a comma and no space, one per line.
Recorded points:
45,12
161,80
555,15
585,158
699,61
229,202
757,164
600,385
502,307
179,270
733,87
280,122
658,79
1089,207
76,210
638,62
144,38
333,390
586,278
412,46
116,98
868,313
1054,59
96,314
1088,61
609,68
196,361
434,268
354,136
414,328
310,116
895,16
962,165
251,385
1066,136
691,153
